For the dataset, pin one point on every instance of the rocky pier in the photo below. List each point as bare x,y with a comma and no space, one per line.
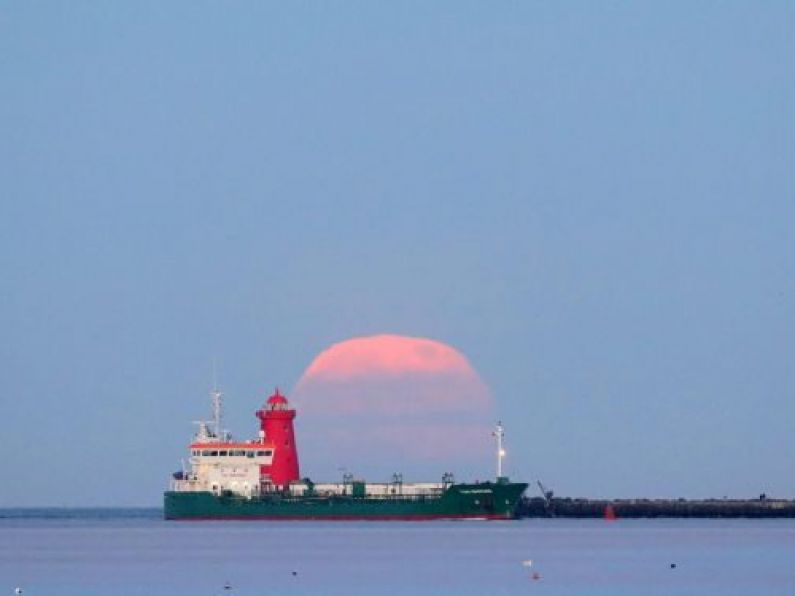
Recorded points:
762,507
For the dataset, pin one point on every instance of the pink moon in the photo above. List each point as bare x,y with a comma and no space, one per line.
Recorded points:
386,403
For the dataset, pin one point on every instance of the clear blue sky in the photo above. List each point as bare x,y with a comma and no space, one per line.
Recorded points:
593,201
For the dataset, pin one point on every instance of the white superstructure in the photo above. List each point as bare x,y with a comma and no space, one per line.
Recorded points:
226,467
220,465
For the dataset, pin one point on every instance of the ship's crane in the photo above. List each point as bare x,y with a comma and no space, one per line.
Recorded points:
547,494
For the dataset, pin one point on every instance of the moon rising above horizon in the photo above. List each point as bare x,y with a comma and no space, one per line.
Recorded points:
386,403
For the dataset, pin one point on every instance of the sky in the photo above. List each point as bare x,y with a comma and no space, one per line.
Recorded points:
591,202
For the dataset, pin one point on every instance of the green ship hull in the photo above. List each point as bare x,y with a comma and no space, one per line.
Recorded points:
486,500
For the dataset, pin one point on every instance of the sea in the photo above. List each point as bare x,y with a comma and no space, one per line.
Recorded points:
109,552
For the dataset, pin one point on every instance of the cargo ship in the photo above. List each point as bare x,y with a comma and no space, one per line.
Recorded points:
227,479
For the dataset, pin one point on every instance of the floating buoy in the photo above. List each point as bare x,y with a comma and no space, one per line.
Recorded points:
610,513
673,565
536,575
295,573
227,586
17,591
527,563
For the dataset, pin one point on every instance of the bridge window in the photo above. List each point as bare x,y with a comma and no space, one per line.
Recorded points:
213,454
205,453
222,453
249,454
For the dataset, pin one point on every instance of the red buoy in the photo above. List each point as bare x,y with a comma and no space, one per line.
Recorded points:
610,514
277,423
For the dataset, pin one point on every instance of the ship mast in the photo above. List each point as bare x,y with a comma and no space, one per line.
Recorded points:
499,433
217,399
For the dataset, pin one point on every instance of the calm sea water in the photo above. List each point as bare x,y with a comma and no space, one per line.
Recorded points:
114,552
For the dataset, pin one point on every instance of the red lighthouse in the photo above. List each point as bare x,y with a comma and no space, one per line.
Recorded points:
277,424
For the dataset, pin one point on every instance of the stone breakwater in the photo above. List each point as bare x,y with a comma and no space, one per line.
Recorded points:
570,507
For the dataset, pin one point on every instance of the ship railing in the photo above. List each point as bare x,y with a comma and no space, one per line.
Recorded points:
373,489
334,496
